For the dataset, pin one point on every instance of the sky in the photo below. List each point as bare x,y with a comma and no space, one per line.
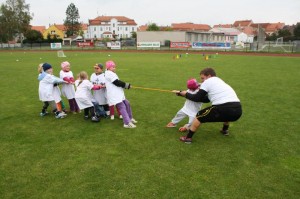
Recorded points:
166,12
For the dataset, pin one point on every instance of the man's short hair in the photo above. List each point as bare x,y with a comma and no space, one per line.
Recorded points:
208,71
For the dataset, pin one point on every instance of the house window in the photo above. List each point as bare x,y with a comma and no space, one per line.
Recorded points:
132,29
126,28
94,28
52,32
101,29
114,25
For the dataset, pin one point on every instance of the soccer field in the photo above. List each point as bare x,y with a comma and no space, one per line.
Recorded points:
44,157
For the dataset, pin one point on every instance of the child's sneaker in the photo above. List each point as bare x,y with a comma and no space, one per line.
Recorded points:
95,119
60,116
129,125
63,113
112,117
183,128
224,132
171,125
186,140
43,114
133,121
86,117
121,117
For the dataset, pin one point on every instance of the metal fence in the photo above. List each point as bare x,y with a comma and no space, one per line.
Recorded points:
269,47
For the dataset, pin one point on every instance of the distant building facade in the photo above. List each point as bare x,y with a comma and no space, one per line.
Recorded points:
112,27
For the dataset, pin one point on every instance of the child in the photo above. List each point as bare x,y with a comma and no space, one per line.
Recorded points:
189,108
83,95
47,91
97,78
68,90
116,96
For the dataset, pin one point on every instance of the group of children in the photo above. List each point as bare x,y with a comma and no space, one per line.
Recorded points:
97,96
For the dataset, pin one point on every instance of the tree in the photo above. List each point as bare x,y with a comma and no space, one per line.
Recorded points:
297,31
33,36
133,35
14,19
152,27
71,22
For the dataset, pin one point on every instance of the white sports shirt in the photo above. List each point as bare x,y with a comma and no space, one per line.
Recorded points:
99,95
83,95
191,108
218,91
115,94
67,90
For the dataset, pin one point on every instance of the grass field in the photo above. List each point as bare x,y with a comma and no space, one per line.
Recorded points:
44,157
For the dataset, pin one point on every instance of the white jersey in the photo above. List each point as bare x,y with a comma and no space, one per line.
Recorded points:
46,88
191,108
115,94
99,95
67,90
83,95
218,91
56,94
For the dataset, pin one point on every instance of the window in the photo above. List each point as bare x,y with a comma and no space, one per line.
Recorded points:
126,28
114,25
101,29
94,28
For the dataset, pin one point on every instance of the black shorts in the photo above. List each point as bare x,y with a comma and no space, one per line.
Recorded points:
227,112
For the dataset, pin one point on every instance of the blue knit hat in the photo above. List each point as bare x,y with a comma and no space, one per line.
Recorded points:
46,66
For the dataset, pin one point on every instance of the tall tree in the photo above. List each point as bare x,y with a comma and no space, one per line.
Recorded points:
71,22
14,19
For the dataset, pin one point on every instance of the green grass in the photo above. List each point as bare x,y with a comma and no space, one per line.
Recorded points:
73,158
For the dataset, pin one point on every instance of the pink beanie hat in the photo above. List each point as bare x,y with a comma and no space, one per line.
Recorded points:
110,64
192,84
64,64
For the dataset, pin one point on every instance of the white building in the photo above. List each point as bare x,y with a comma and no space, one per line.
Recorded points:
113,27
233,35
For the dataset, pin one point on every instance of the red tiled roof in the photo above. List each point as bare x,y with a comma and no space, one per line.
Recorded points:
98,20
242,23
143,28
274,27
41,29
190,26
60,27
249,31
223,26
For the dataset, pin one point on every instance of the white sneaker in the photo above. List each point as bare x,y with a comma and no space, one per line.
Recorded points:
133,121
107,112
129,126
60,115
112,117
121,117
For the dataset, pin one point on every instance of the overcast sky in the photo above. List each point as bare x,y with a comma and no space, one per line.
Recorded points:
165,12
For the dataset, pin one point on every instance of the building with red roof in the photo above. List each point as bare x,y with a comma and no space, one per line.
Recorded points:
111,27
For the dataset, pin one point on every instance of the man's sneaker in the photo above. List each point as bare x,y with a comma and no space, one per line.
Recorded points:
121,117
186,140
224,132
129,125
60,116
112,117
43,114
133,121
95,119
171,125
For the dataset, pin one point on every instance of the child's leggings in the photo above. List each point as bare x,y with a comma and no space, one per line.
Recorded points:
112,110
125,110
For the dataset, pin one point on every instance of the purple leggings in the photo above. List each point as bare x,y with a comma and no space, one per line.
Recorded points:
125,110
